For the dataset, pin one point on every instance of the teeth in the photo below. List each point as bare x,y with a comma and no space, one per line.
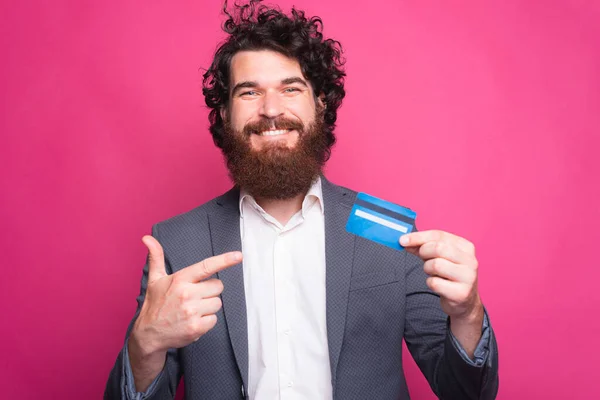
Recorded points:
273,133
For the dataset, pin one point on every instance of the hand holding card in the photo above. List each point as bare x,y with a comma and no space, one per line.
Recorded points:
450,261
452,266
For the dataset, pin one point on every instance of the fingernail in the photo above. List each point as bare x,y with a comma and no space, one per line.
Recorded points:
236,256
404,240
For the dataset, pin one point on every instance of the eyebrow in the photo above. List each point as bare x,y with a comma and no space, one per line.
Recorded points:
294,79
253,84
242,85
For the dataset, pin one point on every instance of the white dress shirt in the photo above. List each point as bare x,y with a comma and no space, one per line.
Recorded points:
284,281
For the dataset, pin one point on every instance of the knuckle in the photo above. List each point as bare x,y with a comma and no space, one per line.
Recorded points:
211,286
206,323
218,303
177,279
470,247
184,295
473,280
210,321
188,311
204,267
435,266
194,328
427,248
211,305
427,267
432,283
463,295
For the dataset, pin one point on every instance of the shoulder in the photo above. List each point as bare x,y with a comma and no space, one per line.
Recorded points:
337,193
195,219
349,195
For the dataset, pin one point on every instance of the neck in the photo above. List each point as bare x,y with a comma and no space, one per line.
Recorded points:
281,210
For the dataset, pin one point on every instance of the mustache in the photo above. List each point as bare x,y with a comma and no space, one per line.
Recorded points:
265,124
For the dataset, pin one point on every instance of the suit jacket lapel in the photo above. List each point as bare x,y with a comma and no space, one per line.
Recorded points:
224,223
339,254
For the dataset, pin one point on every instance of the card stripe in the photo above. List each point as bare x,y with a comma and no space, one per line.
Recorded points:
387,205
385,211
380,221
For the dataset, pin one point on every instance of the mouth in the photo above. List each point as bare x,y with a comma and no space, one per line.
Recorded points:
273,132
277,137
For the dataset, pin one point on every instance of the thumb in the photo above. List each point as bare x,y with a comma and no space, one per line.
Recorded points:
156,258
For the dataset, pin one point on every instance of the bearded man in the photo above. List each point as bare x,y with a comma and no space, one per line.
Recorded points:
312,311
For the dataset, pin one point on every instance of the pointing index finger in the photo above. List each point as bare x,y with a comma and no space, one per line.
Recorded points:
209,266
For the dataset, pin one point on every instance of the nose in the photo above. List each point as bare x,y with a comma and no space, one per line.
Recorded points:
272,106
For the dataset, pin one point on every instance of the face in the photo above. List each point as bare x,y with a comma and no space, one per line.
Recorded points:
274,142
269,99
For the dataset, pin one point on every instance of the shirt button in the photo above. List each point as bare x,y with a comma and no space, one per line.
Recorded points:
287,332
290,384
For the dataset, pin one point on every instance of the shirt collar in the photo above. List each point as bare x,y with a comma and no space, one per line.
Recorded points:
314,194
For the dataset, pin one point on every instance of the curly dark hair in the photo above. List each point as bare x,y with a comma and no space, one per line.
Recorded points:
254,26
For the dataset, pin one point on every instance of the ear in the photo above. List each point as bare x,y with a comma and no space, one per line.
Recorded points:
223,112
321,100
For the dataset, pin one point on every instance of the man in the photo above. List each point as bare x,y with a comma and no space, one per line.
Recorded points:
312,312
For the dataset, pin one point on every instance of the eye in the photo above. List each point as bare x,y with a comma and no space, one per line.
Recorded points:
248,93
291,90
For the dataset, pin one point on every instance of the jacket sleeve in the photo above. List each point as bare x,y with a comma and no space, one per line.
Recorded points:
120,384
449,371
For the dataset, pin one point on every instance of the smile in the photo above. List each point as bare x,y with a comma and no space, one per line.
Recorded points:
273,132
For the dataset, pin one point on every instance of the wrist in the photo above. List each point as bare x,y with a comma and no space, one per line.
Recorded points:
141,343
467,328
472,316
145,362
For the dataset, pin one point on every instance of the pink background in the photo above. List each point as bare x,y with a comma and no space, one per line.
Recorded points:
483,118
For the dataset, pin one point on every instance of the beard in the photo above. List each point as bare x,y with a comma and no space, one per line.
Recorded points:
276,171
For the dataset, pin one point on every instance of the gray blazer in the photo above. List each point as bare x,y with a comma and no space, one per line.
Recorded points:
375,298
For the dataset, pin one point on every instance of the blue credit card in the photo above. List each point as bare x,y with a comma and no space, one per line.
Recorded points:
380,221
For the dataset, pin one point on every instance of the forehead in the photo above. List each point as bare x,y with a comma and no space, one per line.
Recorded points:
264,67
